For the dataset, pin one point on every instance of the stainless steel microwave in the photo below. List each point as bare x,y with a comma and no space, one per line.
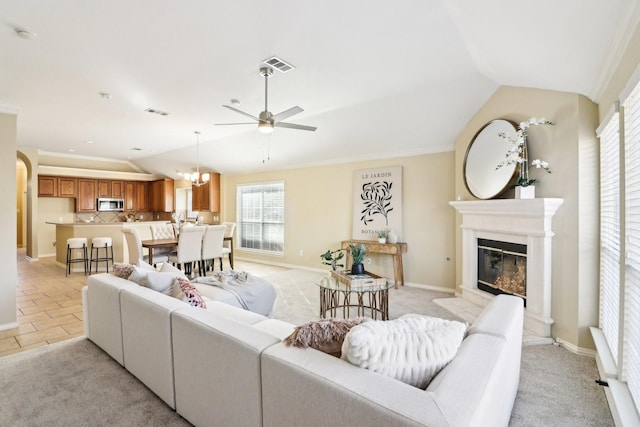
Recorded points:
110,205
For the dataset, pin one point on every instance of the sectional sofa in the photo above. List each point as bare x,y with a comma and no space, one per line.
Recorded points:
227,366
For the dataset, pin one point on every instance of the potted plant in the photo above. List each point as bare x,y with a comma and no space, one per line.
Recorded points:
328,258
382,236
358,251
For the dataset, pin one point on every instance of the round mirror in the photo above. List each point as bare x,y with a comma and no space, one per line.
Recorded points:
485,152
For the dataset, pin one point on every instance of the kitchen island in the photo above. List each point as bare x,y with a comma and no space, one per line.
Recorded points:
66,230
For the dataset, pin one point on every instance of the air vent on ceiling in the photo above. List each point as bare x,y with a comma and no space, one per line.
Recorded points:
279,64
154,111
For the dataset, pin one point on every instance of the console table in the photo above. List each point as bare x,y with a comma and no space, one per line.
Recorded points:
394,249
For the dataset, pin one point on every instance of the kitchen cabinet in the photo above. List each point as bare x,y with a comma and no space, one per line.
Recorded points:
104,188
47,186
87,190
161,195
117,189
142,196
135,196
54,186
207,196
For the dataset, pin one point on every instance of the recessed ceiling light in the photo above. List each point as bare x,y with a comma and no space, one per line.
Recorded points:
154,111
25,34
105,95
89,142
135,149
72,150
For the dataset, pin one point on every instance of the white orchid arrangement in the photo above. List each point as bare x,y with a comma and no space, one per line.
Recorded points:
518,151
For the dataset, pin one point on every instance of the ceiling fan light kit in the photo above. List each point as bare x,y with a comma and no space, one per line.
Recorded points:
267,121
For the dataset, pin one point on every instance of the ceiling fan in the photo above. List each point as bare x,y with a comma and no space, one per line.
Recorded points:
266,120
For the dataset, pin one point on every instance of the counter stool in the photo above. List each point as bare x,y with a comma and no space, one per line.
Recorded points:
77,243
98,243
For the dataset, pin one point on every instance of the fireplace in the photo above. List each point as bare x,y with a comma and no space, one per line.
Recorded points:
502,268
523,223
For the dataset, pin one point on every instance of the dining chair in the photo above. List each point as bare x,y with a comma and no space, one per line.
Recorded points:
230,228
134,247
212,247
162,231
189,248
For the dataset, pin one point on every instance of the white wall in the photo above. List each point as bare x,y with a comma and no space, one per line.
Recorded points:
8,224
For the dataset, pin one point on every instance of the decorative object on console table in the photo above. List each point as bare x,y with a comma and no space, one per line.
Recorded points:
382,236
394,249
519,153
358,251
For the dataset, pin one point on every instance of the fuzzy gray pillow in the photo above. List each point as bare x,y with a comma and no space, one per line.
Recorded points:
325,335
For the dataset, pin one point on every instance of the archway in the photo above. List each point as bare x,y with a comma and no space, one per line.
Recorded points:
27,201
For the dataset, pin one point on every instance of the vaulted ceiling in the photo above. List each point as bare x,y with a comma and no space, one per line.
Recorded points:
378,78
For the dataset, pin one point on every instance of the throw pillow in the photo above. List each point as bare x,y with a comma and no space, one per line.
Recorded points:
193,296
168,268
412,350
123,270
324,335
143,264
161,282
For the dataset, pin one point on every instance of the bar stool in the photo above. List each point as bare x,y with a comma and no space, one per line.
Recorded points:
77,243
98,243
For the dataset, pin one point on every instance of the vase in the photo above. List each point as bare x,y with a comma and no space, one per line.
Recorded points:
528,192
357,269
392,237
382,240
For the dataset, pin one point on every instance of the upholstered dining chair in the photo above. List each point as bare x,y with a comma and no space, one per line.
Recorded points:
189,248
226,247
134,247
212,247
162,231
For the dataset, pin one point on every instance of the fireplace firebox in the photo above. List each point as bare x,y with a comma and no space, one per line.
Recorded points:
502,268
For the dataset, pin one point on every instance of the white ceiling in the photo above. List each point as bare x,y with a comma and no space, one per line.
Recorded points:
378,78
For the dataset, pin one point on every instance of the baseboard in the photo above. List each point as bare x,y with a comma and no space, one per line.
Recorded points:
7,326
575,349
430,287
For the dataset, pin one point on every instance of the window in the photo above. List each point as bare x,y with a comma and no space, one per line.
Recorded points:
620,251
261,216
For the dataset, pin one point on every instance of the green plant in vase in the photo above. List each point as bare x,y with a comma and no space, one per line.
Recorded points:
329,258
358,252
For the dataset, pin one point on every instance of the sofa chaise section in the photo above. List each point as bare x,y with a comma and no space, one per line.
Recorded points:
217,366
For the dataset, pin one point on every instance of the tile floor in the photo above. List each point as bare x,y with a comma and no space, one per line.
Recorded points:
49,305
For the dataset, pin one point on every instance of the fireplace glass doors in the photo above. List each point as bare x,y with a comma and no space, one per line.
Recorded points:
502,267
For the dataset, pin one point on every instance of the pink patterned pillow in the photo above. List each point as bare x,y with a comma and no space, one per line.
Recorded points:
194,297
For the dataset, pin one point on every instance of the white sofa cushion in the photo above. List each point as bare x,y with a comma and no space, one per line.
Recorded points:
412,350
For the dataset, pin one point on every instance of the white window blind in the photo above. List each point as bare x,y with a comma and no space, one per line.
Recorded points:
631,344
610,260
261,216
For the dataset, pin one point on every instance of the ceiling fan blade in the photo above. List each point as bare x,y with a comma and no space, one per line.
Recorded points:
294,126
241,112
229,124
287,113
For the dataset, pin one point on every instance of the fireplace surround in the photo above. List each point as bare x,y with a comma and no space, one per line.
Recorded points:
524,222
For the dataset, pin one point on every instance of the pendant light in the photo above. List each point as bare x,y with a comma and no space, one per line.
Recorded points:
195,178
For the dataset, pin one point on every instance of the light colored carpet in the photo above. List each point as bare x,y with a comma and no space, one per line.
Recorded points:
74,383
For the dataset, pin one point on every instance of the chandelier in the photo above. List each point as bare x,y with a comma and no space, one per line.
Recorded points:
196,178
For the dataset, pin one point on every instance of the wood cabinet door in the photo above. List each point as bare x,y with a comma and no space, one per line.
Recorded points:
47,186
86,201
67,187
199,197
142,198
104,188
117,189
214,192
129,195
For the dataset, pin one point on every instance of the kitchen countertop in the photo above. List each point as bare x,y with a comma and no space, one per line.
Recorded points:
119,224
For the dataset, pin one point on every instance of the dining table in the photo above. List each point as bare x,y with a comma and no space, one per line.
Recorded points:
152,244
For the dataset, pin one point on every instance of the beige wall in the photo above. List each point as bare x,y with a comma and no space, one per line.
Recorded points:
569,147
318,212
8,222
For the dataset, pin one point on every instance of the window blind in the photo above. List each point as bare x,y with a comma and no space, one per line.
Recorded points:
261,216
610,234
631,341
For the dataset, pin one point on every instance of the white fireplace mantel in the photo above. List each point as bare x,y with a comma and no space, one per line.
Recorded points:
526,222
